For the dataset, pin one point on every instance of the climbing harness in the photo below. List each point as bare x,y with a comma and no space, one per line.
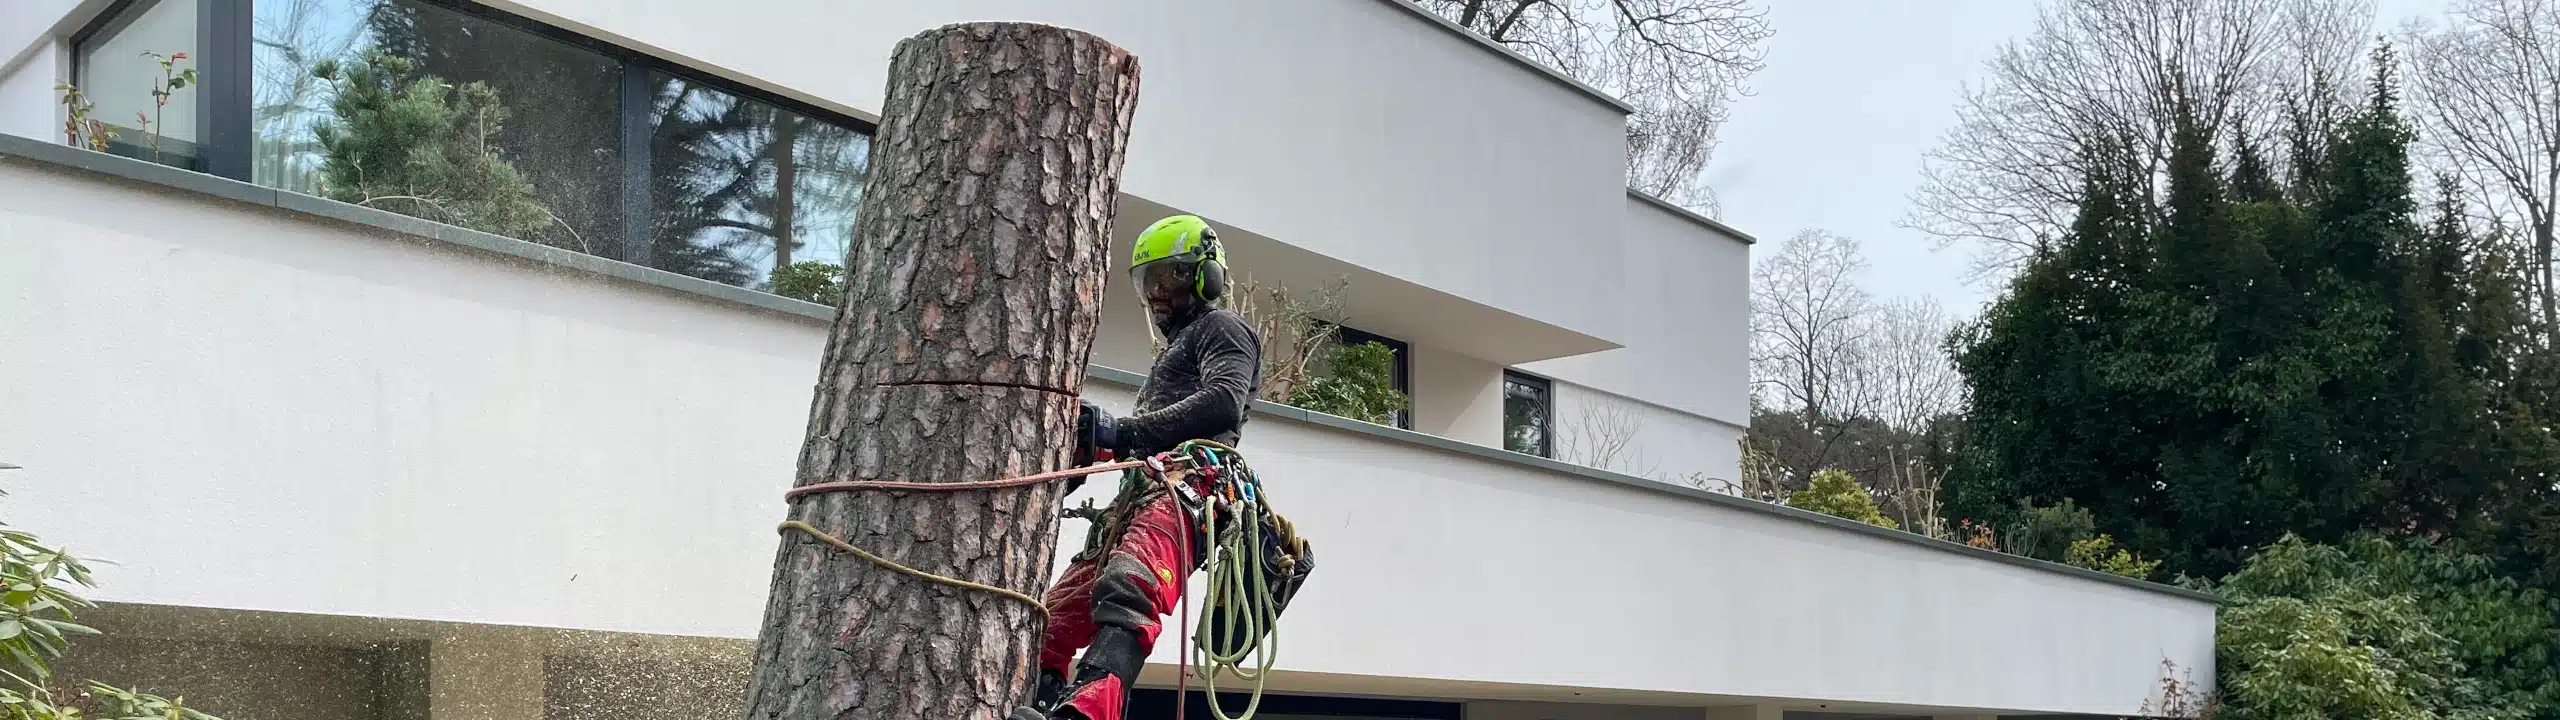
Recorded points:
1255,560
1254,563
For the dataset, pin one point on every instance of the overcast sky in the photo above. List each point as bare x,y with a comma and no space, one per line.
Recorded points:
1854,93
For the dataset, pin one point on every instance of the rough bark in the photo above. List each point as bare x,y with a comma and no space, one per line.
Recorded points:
972,291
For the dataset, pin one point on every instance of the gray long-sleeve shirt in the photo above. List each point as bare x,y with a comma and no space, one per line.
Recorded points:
1201,387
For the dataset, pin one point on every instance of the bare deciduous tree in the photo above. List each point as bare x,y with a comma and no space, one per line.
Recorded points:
1761,479
2110,74
2486,86
1295,330
1680,63
1808,319
1905,377
1843,381
1907,490
1602,435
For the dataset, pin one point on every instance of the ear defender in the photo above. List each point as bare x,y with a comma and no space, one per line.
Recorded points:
1212,283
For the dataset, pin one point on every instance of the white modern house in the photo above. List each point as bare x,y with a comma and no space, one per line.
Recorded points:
357,465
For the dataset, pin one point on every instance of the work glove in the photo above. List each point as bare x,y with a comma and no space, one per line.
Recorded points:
1097,438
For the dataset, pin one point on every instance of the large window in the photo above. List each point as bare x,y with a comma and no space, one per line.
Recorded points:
1528,402
740,187
121,75
454,112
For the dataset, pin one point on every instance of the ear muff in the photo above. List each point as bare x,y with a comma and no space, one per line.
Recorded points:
1212,283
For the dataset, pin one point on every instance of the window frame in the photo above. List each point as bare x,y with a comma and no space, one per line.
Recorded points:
225,58
220,56
1546,388
1400,377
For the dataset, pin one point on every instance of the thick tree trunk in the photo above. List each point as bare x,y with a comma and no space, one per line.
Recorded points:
972,291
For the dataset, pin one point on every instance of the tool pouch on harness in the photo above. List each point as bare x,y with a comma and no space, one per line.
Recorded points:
1286,560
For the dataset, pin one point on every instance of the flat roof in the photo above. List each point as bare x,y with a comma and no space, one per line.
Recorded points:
1514,56
1693,216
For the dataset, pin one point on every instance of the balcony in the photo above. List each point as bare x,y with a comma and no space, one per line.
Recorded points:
332,430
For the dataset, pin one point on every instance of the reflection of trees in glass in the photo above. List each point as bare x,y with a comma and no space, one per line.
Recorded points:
738,187
1524,417
563,132
414,145
291,37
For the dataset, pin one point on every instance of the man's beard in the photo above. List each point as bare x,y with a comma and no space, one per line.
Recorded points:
1165,323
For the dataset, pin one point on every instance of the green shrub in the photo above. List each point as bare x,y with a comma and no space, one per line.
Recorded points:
2047,532
2101,554
2382,629
1834,493
811,280
1359,384
38,598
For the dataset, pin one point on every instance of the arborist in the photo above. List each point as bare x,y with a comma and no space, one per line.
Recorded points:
1131,572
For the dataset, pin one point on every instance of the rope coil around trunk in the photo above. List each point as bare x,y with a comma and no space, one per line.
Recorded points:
849,548
894,566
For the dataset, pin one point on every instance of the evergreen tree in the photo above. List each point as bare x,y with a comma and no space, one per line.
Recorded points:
413,144
2250,362
562,134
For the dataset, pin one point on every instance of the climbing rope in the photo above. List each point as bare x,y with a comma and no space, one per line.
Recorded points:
1237,590
894,566
849,548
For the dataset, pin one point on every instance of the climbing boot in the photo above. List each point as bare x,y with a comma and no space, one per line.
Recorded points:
1104,675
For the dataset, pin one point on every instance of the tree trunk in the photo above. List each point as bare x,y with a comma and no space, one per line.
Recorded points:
786,184
972,291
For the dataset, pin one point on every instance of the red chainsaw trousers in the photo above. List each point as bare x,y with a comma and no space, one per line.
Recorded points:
1131,585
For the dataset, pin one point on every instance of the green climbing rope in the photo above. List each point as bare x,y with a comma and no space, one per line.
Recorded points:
1237,589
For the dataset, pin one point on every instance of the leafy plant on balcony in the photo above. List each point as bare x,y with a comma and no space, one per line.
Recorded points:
415,145
1359,384
171,81
79,128
38,597
1833,492
1296,329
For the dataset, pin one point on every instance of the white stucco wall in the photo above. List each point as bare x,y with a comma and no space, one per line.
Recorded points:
1649,441
1456,397
29,106
1687,295
25,25
1398,148
1347,127
296,415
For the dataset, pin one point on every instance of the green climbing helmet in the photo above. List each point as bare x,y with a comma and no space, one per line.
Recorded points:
1180,248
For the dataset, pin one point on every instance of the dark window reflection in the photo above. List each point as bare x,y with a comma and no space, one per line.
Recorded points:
559,130
730,188
1526,402
739,187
